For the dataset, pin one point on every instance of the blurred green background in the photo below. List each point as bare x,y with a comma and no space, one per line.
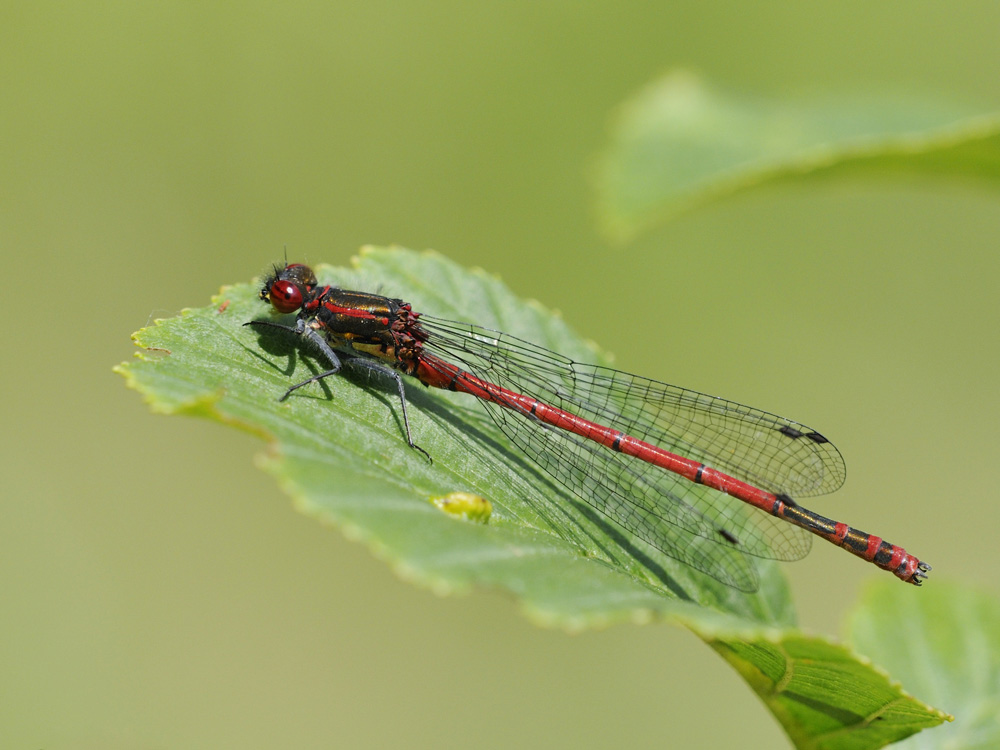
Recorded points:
159,592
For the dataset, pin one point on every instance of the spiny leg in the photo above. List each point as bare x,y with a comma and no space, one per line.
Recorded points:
375,366
337,362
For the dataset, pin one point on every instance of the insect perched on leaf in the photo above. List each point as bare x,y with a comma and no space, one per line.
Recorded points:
632,448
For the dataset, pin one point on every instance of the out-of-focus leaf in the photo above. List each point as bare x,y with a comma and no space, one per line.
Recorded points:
678,143
943,645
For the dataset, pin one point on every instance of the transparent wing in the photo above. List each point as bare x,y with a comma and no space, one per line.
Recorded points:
682,519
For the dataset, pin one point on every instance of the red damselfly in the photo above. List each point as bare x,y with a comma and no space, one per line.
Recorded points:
634,449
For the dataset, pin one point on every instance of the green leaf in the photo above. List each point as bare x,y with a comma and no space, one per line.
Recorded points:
945,644
678,144
337,447
825,696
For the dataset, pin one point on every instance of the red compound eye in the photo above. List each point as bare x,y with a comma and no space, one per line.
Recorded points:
285,296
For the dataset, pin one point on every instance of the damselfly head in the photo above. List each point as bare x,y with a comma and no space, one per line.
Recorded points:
288,288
